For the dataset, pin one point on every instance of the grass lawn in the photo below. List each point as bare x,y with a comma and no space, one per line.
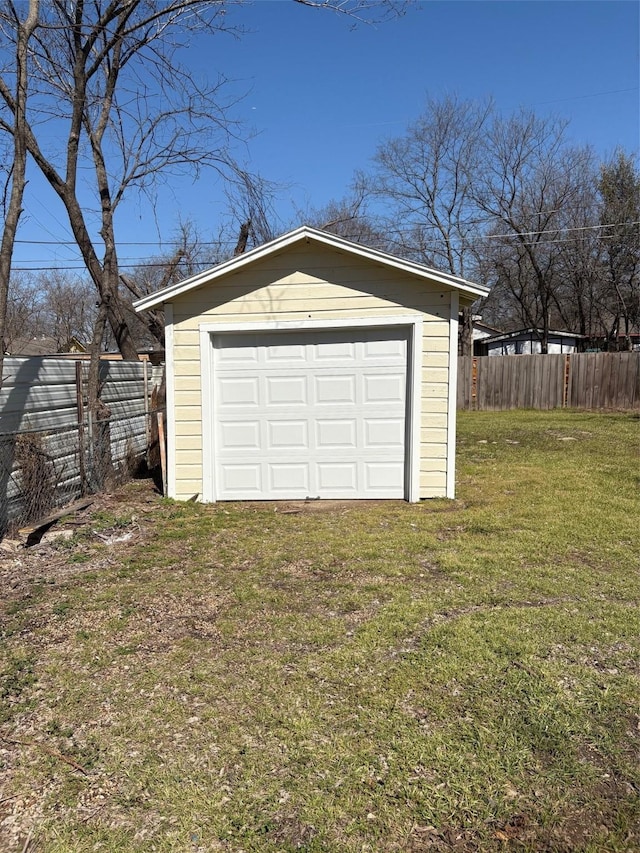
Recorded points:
343,677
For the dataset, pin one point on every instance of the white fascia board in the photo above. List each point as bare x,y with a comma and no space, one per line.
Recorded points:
280,243
452,400
171,401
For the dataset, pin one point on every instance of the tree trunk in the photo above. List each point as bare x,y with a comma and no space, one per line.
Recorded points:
243,239
102,474
466,332
19,165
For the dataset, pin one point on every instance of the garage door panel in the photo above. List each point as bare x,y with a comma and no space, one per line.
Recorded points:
286,390
384,388
287,435
245,479
389,351
233,356
336,433
240,434
310,414
335,389
382,477
335,477
334,351
276,354
241,391
384,432
286,478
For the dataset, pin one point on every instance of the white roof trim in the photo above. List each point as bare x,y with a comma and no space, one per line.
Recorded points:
531,333
306,233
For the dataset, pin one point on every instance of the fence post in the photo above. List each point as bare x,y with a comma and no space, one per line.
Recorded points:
473,402
81,444
567,374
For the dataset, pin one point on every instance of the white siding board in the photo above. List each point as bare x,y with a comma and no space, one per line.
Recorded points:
434,463
438,375
189,442
434,481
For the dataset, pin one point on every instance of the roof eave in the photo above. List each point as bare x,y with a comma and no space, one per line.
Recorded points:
236,263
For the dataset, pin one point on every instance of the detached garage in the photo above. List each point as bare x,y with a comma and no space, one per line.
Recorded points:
312,367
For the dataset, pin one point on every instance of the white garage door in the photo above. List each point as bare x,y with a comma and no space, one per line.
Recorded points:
310,414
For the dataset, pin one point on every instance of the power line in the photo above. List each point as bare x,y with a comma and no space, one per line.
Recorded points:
226,242
152,262
558,230
121,243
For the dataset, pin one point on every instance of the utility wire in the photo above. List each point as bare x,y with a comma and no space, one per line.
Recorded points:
169,243
152,262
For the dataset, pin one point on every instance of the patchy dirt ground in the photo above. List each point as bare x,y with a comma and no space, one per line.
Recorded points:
56,557
51,561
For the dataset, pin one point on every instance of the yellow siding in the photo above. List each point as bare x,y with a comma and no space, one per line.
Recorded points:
433,485
433,420
189,428
432,359
190,382
189,457
430,435
189,487
189,441
311,285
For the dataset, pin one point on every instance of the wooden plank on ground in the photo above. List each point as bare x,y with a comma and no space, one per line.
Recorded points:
35,531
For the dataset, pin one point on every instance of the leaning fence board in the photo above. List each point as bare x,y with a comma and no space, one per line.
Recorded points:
578,380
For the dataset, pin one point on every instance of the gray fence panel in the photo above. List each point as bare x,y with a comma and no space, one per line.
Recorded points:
41,442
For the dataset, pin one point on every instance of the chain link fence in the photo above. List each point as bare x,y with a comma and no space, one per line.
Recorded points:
43,470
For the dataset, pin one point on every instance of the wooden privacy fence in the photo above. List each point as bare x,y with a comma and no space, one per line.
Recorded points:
599,380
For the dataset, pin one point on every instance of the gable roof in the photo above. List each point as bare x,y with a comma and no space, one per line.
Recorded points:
534,334
307,234
44,345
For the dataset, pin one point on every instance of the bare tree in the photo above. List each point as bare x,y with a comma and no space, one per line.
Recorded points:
18,95
619,188
506,199
189,256
69,307
349,218
23,314
368,11
251,211
52,305
528,180
578,290
424,178
109,69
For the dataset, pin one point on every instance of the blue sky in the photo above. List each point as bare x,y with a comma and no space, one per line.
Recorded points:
321,95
